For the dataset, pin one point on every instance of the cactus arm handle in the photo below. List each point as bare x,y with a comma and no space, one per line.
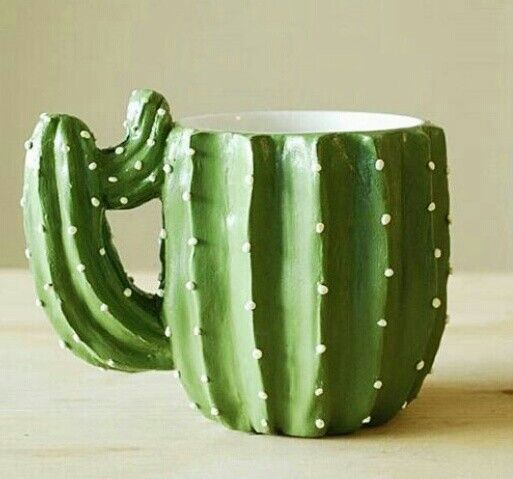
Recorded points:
69,184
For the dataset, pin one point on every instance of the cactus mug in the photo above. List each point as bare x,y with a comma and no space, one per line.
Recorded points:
304,258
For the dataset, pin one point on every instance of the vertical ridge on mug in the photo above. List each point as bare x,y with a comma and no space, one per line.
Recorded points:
409,312
266,233
251,352
440,247
179,310
357,254
301,278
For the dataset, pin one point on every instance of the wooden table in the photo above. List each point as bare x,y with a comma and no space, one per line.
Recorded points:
60,418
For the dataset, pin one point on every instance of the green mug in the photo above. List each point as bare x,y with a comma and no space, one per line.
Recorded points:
305,258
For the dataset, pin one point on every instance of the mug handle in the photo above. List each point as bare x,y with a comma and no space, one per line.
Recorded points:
97,311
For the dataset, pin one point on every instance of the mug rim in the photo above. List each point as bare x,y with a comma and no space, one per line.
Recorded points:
299,122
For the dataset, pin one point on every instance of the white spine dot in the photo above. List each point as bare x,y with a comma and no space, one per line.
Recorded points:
112,179
436,303
316,167
319,392
192,241
377,384
405,403
95,202
150,142
382,323
92,166
138,165
72,230
385,219
431,165
420,365
246,247
437,253
257,353
85,134
379,165
367,420
320,348
190,285
319,423
161,112
250,305
319,228
196,331
65,148
119,150
81,268
262,395
322,289
123,200
167,332
186,196
389,272
104,308
204,379
102,251
127,292
431,207
214,411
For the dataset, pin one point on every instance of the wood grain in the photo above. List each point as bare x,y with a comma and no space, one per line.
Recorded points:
60,418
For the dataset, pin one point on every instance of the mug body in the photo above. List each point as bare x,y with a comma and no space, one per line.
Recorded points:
305,266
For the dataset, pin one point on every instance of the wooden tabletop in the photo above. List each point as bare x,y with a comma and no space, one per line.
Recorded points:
60,418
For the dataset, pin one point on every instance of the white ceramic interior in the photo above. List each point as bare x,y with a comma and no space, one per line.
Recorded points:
269,122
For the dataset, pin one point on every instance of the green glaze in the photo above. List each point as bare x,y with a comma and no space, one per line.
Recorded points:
293,305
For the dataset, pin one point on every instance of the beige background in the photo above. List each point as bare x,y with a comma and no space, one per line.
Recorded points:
448,61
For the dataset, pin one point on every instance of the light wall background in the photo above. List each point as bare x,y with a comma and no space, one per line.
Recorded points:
450,61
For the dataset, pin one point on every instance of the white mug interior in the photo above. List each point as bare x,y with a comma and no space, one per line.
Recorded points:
300,122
